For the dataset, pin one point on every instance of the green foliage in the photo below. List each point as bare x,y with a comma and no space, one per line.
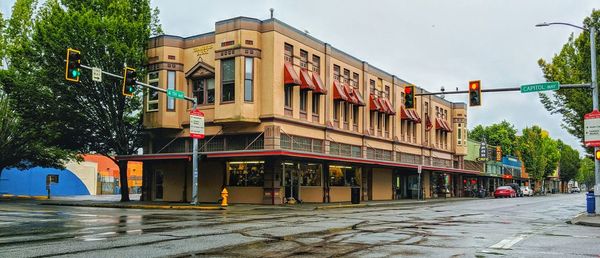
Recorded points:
585,174
22,147
86,117
501,134
569,162
539,153
571,65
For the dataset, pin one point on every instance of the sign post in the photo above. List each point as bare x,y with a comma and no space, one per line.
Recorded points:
419,170
49,180
96,74
196,132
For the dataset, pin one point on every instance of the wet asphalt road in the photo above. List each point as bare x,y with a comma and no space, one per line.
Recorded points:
518,227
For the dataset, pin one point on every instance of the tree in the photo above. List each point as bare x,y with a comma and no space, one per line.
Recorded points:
571,65
501,134
585,174
21,147
88,117
569,162
539,153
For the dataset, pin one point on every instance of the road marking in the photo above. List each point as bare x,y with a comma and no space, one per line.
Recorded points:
508,243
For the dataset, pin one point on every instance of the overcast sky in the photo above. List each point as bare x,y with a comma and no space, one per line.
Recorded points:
426,42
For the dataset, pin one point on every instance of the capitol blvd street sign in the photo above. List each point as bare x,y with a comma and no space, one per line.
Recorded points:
197,124
591,126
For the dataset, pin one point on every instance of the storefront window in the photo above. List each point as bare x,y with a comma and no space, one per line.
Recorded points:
310,174
343,176
245,173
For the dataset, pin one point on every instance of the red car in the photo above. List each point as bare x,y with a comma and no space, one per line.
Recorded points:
505,191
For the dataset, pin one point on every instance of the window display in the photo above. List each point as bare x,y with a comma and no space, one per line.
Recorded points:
245,173
344,176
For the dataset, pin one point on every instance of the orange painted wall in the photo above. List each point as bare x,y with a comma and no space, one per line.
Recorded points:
107,168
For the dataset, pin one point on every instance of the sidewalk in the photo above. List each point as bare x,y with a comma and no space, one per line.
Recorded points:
585,220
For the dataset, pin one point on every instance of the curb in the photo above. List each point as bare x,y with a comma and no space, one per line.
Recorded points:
23,197
340,206
579,221
138,206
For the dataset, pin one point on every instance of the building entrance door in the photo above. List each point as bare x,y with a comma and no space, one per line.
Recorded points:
397,186
290,180
158,185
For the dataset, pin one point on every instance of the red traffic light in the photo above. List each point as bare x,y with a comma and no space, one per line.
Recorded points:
474,85
407,90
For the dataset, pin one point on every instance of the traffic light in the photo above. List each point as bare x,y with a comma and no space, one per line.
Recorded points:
73,67
597,154
409,97
474,93
129,81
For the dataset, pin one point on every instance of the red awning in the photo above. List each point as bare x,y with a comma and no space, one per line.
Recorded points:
416,116
441,124
390,107
319,87
384,107
307,83
361,101
374,104
338,91
448,128
350,93
290,77
404,114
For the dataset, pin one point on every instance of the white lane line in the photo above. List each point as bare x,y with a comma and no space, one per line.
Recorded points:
508,243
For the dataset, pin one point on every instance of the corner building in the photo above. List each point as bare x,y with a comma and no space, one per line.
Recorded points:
288,115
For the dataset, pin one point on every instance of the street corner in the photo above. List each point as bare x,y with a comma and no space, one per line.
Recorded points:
585,219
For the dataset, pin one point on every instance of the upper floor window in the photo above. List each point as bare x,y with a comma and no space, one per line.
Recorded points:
316,62
355,80
204,90
171,86
288,53
228,79
248,79
437,111
288,94
152,95
346,75
445,113
387,91
345,111
316,103
372,86
459,134
355,114
336,110
303,99
336,72
303,59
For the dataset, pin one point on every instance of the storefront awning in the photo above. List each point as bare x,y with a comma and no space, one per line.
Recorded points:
361,101
390,107
290,77
374,104
307,83
350,93
442,125
319,87
338,91
384,108
406,114
448,127
415,115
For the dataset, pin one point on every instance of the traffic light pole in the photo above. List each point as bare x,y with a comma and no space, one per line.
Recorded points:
595,103
564,86
195,141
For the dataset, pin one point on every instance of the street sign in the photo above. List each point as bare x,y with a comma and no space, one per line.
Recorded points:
591,126
175,94
544,86
197,124
96,74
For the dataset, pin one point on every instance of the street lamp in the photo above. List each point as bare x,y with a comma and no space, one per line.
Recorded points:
592,31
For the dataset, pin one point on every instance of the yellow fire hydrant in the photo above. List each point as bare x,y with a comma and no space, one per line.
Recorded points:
224,195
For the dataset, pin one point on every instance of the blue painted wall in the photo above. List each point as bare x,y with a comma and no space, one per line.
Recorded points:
33,182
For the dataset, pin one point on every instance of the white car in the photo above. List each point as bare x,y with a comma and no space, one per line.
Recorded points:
526,191
575,189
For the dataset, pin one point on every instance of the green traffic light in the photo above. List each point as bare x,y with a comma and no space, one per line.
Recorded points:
74,73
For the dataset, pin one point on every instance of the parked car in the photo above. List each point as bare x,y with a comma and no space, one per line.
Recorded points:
526,191
575,189
517,189
505,191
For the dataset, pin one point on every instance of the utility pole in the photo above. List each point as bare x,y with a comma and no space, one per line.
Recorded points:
595,101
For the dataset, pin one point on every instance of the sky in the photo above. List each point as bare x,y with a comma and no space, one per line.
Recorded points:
430,43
